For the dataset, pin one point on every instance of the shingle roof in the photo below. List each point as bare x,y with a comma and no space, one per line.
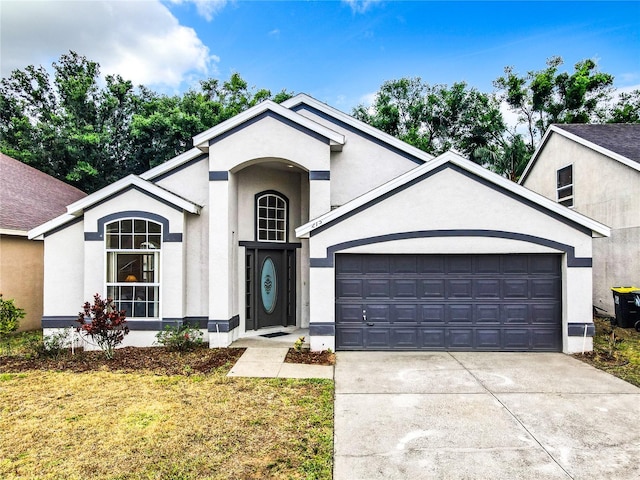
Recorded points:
29,197
620,138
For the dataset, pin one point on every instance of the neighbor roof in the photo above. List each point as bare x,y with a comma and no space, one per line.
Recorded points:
29,197
619,141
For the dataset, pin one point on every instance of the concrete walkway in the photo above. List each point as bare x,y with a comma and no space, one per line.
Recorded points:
433,415
264,358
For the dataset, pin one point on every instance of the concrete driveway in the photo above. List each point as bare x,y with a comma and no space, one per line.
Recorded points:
465,415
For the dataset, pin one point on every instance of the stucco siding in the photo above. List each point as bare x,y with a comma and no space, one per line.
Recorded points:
607,191
21,277
64,272
362,165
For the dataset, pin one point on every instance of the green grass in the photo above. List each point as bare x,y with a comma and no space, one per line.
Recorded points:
623,360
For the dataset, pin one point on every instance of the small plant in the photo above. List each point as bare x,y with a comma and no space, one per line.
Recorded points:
107,326
10,316
55,344
297,345
180,338
612,340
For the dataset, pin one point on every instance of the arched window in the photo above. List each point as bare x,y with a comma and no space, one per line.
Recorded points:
133,260
271,217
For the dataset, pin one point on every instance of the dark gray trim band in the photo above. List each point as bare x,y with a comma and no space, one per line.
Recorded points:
275,116
193,161
320,329
358,132
577,329
572,260
319,175
223,326
270,245
469,175
133,323
166,236
138,189
218,176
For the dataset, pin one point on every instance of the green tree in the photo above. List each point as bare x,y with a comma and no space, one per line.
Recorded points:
626,109
436,118
547,96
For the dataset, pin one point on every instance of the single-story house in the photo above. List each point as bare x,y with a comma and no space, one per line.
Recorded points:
296,215
28,198
595,170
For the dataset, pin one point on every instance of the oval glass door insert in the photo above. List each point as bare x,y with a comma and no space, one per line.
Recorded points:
268,285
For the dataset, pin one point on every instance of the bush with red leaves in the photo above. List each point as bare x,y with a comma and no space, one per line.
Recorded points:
106,325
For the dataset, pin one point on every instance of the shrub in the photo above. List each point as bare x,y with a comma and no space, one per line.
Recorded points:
55,344
180,338
107,326
10,316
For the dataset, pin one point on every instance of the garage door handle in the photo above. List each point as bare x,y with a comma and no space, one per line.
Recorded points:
364,315
370,324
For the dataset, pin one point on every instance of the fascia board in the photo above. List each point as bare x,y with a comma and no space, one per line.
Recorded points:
131,180
535,155
355,123
37,233
202,139
450,157
171,164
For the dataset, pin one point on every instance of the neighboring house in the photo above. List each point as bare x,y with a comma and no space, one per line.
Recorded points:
595,170
28,198
298,215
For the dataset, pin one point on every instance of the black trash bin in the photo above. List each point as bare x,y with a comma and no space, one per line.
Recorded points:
627,305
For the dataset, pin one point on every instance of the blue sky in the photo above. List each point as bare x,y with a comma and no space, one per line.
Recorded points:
337,51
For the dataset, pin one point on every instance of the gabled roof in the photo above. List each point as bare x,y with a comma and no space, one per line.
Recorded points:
77,209
29,197
174,164
619,141
301,100
474,169
203,139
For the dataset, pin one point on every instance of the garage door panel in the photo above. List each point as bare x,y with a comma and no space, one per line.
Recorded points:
349,288
432,289
404,288
457,302
459,288
377,288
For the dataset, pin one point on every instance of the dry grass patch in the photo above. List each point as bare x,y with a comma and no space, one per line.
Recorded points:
62,425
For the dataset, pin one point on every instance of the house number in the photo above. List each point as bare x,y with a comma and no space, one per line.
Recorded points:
316,224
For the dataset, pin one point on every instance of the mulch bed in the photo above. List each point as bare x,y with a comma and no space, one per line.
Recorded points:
602,359
310,358
156,360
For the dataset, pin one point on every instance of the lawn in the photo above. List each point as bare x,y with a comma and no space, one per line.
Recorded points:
150,423
621,358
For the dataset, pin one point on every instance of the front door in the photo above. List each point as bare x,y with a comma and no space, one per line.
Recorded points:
270,288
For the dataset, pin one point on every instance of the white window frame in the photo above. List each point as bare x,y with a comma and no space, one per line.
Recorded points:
138,286
278,232
562,198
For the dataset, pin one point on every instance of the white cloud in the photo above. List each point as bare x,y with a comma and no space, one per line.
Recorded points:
360,6
206,8
275,32
140,40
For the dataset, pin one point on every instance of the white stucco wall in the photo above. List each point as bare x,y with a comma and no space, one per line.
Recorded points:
362,165
607,191
449,200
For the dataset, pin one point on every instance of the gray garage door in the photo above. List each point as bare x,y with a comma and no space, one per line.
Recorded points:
448,302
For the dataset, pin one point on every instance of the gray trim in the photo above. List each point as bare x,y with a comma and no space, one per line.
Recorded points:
59,321
577,329
134,324
358,132
224,326
270,245
572,260
493,186
319,174
320,329
164,175
166,236
62,227
275,116
218,176
140,190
